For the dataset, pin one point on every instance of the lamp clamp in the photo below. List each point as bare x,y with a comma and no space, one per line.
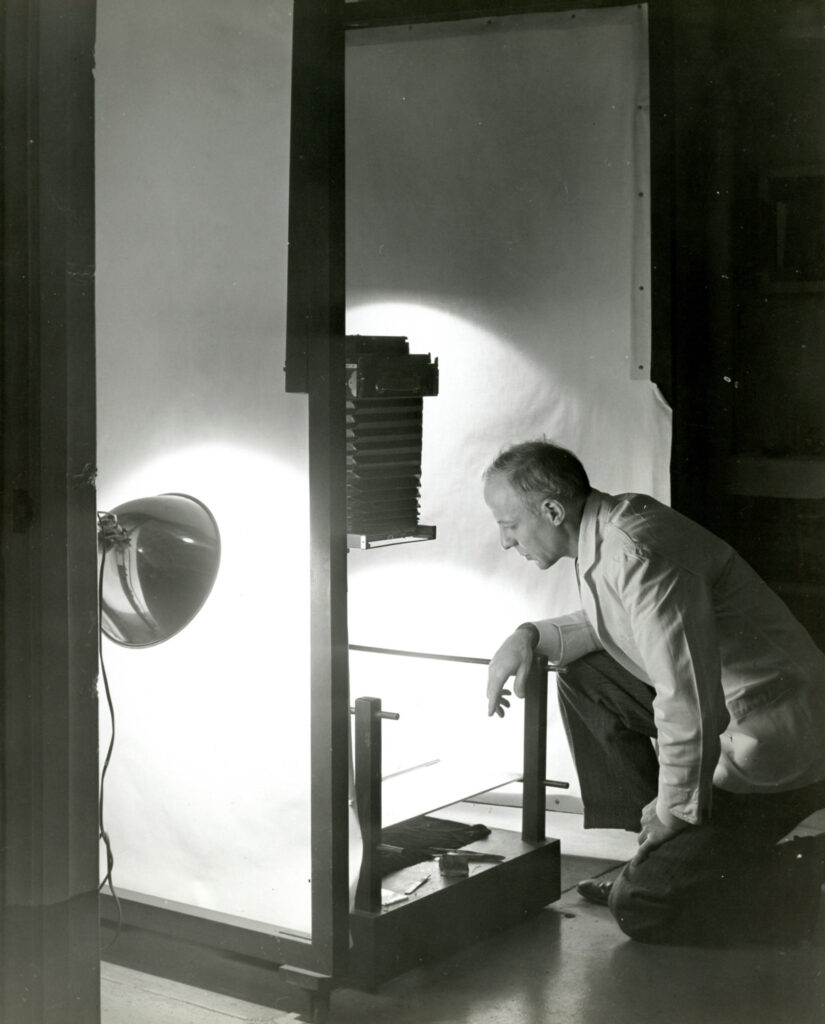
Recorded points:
109,530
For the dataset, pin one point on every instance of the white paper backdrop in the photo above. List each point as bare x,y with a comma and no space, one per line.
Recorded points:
498,216
207,799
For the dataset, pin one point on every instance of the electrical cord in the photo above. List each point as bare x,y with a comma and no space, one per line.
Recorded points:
103,834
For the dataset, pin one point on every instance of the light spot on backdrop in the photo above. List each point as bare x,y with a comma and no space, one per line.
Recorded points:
500,382
460,594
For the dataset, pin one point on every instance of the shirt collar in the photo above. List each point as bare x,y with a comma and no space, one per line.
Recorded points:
588,531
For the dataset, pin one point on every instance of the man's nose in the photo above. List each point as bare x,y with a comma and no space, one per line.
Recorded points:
506,540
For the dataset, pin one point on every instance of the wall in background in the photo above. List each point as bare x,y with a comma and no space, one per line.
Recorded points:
778,320
747,347
497,184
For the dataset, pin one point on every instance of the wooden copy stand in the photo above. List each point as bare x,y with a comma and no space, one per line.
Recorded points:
446,914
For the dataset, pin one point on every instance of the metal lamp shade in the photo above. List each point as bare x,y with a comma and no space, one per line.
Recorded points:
159,570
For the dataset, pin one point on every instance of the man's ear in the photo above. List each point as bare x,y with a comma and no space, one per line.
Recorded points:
553,510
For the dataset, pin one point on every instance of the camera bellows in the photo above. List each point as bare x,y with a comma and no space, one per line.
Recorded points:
386,386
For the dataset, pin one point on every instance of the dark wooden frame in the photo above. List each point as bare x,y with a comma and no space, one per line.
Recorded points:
317,277
49,944
316,239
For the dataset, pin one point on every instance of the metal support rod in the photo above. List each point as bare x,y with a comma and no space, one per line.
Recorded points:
535,753
393,715
368,717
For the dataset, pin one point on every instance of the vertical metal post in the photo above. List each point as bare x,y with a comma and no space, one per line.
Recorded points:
368,794
315,364
535,753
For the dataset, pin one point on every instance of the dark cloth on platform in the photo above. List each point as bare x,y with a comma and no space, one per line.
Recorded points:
413,838
725,880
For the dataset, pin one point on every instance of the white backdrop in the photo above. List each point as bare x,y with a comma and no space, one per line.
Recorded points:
498,215
207,800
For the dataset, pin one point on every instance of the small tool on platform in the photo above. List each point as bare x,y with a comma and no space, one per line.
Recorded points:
456,863
431,852
416,885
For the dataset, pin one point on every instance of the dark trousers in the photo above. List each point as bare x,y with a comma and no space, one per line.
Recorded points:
721,882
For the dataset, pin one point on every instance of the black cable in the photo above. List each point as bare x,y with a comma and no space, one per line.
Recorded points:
104,835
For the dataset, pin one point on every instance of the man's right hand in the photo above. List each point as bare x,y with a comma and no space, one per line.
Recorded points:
513,658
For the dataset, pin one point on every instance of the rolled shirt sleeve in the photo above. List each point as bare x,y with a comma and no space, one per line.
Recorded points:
566,638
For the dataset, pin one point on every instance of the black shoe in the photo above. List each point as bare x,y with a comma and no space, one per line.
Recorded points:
594,890
805,852
803,858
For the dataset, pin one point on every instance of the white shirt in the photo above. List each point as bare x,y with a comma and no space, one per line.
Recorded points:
740,685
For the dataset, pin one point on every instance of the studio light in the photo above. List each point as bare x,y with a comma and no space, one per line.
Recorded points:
160,560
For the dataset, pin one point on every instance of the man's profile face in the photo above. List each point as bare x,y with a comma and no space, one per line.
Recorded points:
533,534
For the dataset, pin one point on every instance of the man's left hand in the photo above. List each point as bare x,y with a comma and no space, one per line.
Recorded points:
655,831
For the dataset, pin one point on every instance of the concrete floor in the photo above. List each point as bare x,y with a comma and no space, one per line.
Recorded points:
567,965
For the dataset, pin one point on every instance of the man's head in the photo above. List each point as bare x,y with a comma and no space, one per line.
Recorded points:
536,492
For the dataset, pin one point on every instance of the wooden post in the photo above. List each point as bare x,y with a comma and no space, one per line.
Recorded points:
315,365
49,945
368,796
535,753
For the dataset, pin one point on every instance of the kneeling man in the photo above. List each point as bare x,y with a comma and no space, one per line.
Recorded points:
693,700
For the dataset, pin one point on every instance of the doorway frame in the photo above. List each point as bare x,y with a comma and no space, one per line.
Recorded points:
49,933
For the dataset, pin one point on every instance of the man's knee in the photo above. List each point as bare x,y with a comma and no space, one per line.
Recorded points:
597,672
643,911
585,675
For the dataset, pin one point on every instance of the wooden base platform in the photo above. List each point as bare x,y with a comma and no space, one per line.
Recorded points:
445,914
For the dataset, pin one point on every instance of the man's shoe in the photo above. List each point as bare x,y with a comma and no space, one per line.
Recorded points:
595,891
807,849
804,860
